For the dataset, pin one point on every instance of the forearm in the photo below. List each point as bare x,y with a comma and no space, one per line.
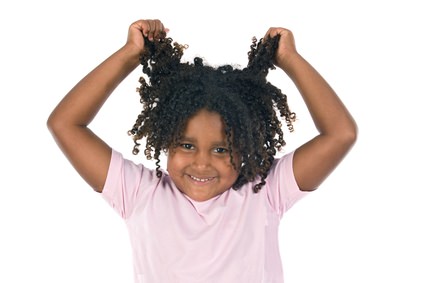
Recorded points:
85,99
68,122
327,110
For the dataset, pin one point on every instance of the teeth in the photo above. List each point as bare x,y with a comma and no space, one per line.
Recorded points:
200,179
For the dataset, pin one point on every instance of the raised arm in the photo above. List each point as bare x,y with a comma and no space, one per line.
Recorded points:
69,121
317,158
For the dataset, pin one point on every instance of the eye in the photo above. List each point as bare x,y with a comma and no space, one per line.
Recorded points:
221,150
187,146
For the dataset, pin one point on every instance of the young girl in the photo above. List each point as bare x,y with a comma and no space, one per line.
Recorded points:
213,215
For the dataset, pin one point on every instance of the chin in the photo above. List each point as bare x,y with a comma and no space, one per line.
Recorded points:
200,197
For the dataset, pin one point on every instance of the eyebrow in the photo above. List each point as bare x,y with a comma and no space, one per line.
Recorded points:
215,143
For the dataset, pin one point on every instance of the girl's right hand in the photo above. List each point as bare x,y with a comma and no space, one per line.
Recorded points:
151,29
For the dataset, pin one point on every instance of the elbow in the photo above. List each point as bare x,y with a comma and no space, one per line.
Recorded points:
57,126
353,133
54,124
57,123
350,135
343,136
51,123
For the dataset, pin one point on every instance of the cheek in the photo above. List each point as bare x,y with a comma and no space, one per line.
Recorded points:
175,163
174,170
229,169
170,163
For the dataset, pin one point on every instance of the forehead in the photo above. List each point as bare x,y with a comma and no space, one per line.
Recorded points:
205,124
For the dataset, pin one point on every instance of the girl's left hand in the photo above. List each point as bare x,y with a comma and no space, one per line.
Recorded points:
286,46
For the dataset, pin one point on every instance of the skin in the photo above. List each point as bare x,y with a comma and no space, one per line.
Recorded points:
200,166
316,159
90,155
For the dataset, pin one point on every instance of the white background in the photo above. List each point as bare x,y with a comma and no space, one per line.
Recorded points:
365,223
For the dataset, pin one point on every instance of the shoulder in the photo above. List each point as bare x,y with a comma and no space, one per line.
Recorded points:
128,175
130,185
281,186
282,166
119,164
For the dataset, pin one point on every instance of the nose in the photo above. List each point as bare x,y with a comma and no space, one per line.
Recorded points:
201,159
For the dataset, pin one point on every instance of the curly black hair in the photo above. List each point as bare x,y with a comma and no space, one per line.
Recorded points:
172,91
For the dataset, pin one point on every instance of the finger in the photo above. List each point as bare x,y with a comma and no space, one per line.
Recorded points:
273,32
145,27
150,30
267,34
158,29
154,29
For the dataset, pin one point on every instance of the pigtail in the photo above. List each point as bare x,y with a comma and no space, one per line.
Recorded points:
261,55
264,102
161,58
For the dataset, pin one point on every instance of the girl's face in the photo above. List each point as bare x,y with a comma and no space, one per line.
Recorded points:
200,165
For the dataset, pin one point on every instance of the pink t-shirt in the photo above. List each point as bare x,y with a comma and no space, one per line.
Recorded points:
230,238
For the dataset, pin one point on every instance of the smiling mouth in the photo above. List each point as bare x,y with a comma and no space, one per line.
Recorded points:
202,180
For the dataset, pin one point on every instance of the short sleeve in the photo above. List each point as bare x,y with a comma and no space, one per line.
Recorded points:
127,185
282,189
